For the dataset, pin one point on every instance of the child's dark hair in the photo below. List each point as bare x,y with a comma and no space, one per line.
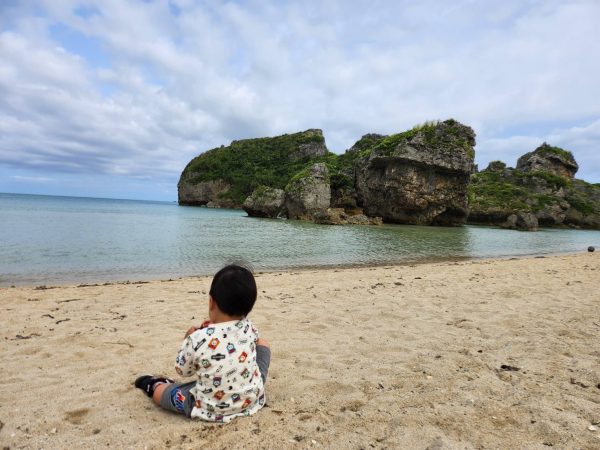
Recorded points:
234,289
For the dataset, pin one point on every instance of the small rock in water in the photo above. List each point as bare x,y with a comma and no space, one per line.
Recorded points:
591,249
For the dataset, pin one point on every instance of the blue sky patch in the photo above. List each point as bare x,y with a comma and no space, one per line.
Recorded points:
90,49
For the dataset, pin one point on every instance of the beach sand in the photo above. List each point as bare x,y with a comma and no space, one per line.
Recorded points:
470,354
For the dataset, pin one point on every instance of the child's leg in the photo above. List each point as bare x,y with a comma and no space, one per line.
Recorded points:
147,383
167,394
158,392
175,397
263,358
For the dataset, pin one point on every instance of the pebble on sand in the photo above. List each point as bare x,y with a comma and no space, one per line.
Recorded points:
591,248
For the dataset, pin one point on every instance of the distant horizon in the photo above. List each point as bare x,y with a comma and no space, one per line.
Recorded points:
89,197
175,199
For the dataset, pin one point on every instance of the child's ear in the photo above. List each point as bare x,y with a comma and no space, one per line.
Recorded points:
211,303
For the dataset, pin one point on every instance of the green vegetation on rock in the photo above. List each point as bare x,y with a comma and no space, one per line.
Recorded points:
436,134
536,191
250,163
341,169
584,197
260,190
278,161
549,150
489,191
551,178
493,191
389,144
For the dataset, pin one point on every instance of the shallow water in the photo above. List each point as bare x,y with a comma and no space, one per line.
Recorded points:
50,240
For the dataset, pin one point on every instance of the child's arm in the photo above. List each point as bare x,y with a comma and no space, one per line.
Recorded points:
192,329
184,363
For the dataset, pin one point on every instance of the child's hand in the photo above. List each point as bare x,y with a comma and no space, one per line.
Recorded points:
192,329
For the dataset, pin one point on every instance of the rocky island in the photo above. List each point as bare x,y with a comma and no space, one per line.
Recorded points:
540,191
423,176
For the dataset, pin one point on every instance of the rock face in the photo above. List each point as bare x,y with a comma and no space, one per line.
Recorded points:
339,216
203,193
496,166
542,187
266,202
312,149
225,176
549,159
423,176
420,176
523,221
584,205
343,186
308,193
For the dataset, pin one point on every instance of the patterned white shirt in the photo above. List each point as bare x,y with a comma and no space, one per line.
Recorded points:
223,357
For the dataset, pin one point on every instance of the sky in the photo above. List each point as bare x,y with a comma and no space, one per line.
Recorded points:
112,98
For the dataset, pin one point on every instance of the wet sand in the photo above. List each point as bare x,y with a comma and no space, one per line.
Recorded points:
469,354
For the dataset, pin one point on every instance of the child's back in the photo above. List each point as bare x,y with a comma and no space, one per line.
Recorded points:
223,357
229,361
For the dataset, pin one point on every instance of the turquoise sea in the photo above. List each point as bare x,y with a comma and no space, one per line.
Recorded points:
52,240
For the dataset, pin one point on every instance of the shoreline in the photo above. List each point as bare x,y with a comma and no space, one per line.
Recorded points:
168,278
464,354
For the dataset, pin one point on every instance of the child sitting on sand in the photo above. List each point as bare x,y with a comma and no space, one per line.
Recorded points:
225,354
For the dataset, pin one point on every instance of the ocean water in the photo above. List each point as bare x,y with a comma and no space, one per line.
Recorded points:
52,240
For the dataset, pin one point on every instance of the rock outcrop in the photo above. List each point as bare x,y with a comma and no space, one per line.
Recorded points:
549,159
212,193
266,202
312,149
418,177
496,166
540,191
343,186
225,176
523,221
340,216
423,176
308,193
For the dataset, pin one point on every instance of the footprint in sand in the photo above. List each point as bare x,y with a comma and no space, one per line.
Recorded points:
76,416
354,406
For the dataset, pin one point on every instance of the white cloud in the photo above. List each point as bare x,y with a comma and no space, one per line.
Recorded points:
32,179
175,85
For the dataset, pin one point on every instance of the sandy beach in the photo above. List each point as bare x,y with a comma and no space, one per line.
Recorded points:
470,354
